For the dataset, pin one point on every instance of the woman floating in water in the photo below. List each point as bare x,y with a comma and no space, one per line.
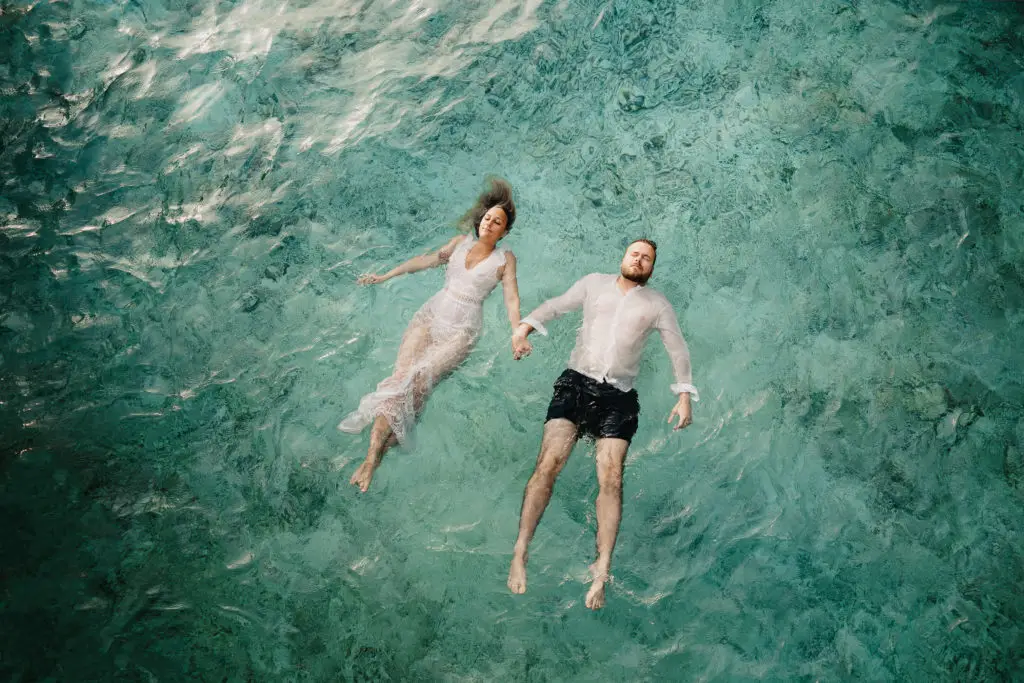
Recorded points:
442,333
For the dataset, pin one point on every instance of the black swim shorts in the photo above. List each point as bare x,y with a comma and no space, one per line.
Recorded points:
598,408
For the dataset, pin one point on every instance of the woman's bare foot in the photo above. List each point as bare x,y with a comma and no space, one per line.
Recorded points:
517,575
364,475
595,596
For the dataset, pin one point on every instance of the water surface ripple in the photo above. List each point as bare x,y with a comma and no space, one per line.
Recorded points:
190,188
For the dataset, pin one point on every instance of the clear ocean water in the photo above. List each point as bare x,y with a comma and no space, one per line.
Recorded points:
189,188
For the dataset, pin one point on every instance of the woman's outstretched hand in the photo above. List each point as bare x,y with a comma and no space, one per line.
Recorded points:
371,279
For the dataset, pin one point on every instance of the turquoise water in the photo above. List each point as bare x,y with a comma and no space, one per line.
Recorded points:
189,190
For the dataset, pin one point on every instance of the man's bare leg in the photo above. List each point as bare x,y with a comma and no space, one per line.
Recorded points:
381,439
611,456
559,438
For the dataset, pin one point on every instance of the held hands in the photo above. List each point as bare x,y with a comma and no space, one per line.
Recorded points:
521,347
371,279
682,412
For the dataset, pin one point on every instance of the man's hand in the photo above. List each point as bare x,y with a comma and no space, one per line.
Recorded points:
681,411
521,346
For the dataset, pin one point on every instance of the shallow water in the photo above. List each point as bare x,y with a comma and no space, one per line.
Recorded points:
190,189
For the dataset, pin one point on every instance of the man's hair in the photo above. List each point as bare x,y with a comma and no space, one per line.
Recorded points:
496,193
651,243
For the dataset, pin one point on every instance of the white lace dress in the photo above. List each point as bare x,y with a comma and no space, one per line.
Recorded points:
439,337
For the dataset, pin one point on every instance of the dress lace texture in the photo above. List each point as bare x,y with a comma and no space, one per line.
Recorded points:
439,337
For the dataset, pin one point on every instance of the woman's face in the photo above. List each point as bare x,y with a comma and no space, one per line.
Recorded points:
494,224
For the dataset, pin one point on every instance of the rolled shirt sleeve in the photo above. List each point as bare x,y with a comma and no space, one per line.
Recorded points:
678,352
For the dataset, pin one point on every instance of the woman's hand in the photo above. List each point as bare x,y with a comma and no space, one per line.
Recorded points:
371,279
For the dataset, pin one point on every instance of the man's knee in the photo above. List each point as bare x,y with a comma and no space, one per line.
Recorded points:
610,479
543,480
610,464
549,464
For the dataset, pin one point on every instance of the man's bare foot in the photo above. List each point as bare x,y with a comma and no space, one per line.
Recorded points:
595,596
363,475
517,575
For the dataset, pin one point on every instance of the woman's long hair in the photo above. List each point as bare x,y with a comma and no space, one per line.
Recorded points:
497,193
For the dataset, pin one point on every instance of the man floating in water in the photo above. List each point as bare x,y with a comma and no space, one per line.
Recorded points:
595,395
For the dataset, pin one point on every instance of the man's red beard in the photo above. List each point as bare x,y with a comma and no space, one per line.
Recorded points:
640,278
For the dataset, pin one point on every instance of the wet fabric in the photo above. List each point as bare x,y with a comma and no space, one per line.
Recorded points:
615,327
439,337
598,409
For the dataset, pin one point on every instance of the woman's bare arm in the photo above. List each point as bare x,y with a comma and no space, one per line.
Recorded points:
415,264
510,288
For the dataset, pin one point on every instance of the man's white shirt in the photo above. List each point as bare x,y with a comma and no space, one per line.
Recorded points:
615,327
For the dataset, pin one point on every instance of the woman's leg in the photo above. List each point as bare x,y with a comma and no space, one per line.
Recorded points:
439,361
382,437
436,361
